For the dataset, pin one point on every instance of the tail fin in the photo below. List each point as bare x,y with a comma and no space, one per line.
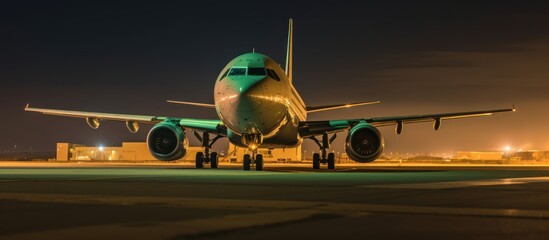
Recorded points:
290,51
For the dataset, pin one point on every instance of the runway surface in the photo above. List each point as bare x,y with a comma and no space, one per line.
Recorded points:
98,201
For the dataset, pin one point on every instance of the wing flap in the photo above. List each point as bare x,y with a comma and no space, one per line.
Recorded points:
98,115
205,125
429,117
311,128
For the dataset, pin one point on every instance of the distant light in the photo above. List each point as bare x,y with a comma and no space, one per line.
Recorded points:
507,148
101,148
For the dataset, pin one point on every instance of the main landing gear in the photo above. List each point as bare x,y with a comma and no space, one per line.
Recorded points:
324,158
206,157
251,160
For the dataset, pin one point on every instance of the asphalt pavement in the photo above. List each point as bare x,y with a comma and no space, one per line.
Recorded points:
103,201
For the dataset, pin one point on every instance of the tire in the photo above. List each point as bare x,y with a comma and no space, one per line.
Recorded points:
246,162
316,161
214,160
331,161
259,162
199,160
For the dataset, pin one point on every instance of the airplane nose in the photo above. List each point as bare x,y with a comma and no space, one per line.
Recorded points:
248,94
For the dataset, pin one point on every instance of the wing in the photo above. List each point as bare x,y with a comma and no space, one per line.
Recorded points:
338,106
93,119
311,128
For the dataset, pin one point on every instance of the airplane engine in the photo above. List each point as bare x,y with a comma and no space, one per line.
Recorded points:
364,143
167,141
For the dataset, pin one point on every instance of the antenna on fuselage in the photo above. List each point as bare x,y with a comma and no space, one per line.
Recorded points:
289,51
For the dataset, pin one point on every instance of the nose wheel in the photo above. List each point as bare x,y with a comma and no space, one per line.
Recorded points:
253,140
248,161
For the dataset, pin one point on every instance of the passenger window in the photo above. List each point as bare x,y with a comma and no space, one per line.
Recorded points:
256,71
273,74
237,72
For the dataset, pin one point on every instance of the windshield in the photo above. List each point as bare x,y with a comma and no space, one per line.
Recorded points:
237,71
256,71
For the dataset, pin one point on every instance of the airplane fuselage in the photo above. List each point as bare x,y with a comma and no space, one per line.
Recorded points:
253,96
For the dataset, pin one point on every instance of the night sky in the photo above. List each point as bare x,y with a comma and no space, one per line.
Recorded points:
421,57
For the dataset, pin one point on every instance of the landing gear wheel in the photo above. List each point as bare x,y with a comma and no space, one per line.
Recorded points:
213,160
246,162
316,161
331,161
259,162
199,160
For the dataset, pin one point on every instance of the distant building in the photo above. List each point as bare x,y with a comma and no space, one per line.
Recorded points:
129,151
138,151
529,155
468,155
534,155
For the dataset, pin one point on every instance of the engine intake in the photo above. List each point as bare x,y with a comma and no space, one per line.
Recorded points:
167,141
364,143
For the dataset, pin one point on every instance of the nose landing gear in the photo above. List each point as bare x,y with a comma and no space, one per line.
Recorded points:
248,161
252,140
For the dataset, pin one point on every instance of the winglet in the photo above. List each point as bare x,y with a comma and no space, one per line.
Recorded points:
27,107
514,109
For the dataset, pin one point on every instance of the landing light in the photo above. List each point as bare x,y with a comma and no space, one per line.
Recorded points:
101,148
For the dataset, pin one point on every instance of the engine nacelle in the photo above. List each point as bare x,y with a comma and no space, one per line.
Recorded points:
364,143
167,141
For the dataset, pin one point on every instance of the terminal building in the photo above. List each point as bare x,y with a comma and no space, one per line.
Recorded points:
138,151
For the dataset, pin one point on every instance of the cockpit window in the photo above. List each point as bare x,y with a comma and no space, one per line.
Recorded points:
224,74
273,74
256,71
237,72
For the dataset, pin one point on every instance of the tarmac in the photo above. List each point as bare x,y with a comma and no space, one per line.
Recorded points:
174,201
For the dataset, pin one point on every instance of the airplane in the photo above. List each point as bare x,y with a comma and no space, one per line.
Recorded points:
258,107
